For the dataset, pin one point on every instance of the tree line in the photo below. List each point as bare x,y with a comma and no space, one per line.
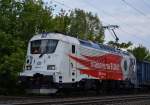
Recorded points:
21,19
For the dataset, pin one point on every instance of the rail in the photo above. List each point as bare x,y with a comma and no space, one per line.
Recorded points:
77,100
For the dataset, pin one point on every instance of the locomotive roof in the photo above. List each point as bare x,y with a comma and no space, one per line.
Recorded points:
102,47
73,40
57,36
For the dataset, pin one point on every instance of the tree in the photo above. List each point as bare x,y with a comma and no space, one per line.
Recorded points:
34,18
85,25
12,58
61,22
120,45
79,23
141,53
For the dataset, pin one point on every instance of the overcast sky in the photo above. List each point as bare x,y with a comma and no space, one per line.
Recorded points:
132,16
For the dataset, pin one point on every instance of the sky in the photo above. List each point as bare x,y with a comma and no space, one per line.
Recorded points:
132,17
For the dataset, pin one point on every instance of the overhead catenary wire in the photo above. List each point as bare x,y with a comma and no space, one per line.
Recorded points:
134,35
94,7
132,28
131,35
110,15
60,3
133,7
120,20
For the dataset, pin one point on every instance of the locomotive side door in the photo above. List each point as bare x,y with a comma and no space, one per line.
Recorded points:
73,64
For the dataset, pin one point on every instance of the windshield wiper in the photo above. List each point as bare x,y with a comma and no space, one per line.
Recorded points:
42,54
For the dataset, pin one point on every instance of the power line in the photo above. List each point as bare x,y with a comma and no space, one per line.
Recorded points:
131,35
106,13
60,3
140,38
130,5
120,28
119,20
110,15
113,16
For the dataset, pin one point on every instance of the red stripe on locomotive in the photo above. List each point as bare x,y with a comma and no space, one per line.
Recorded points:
107,67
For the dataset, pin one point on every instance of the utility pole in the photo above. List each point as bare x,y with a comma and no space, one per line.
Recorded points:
112,28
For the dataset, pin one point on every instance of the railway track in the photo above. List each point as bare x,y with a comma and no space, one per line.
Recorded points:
99,100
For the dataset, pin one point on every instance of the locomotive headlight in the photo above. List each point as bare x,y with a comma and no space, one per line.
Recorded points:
28,67
51,67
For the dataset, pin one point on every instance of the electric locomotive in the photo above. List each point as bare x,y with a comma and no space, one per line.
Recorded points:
55,61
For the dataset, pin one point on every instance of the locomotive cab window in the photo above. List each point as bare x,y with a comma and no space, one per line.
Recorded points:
73,49
46,46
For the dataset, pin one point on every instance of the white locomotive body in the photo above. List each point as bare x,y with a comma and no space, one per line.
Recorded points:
56,61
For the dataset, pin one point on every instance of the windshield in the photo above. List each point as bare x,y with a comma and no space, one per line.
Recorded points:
43,46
